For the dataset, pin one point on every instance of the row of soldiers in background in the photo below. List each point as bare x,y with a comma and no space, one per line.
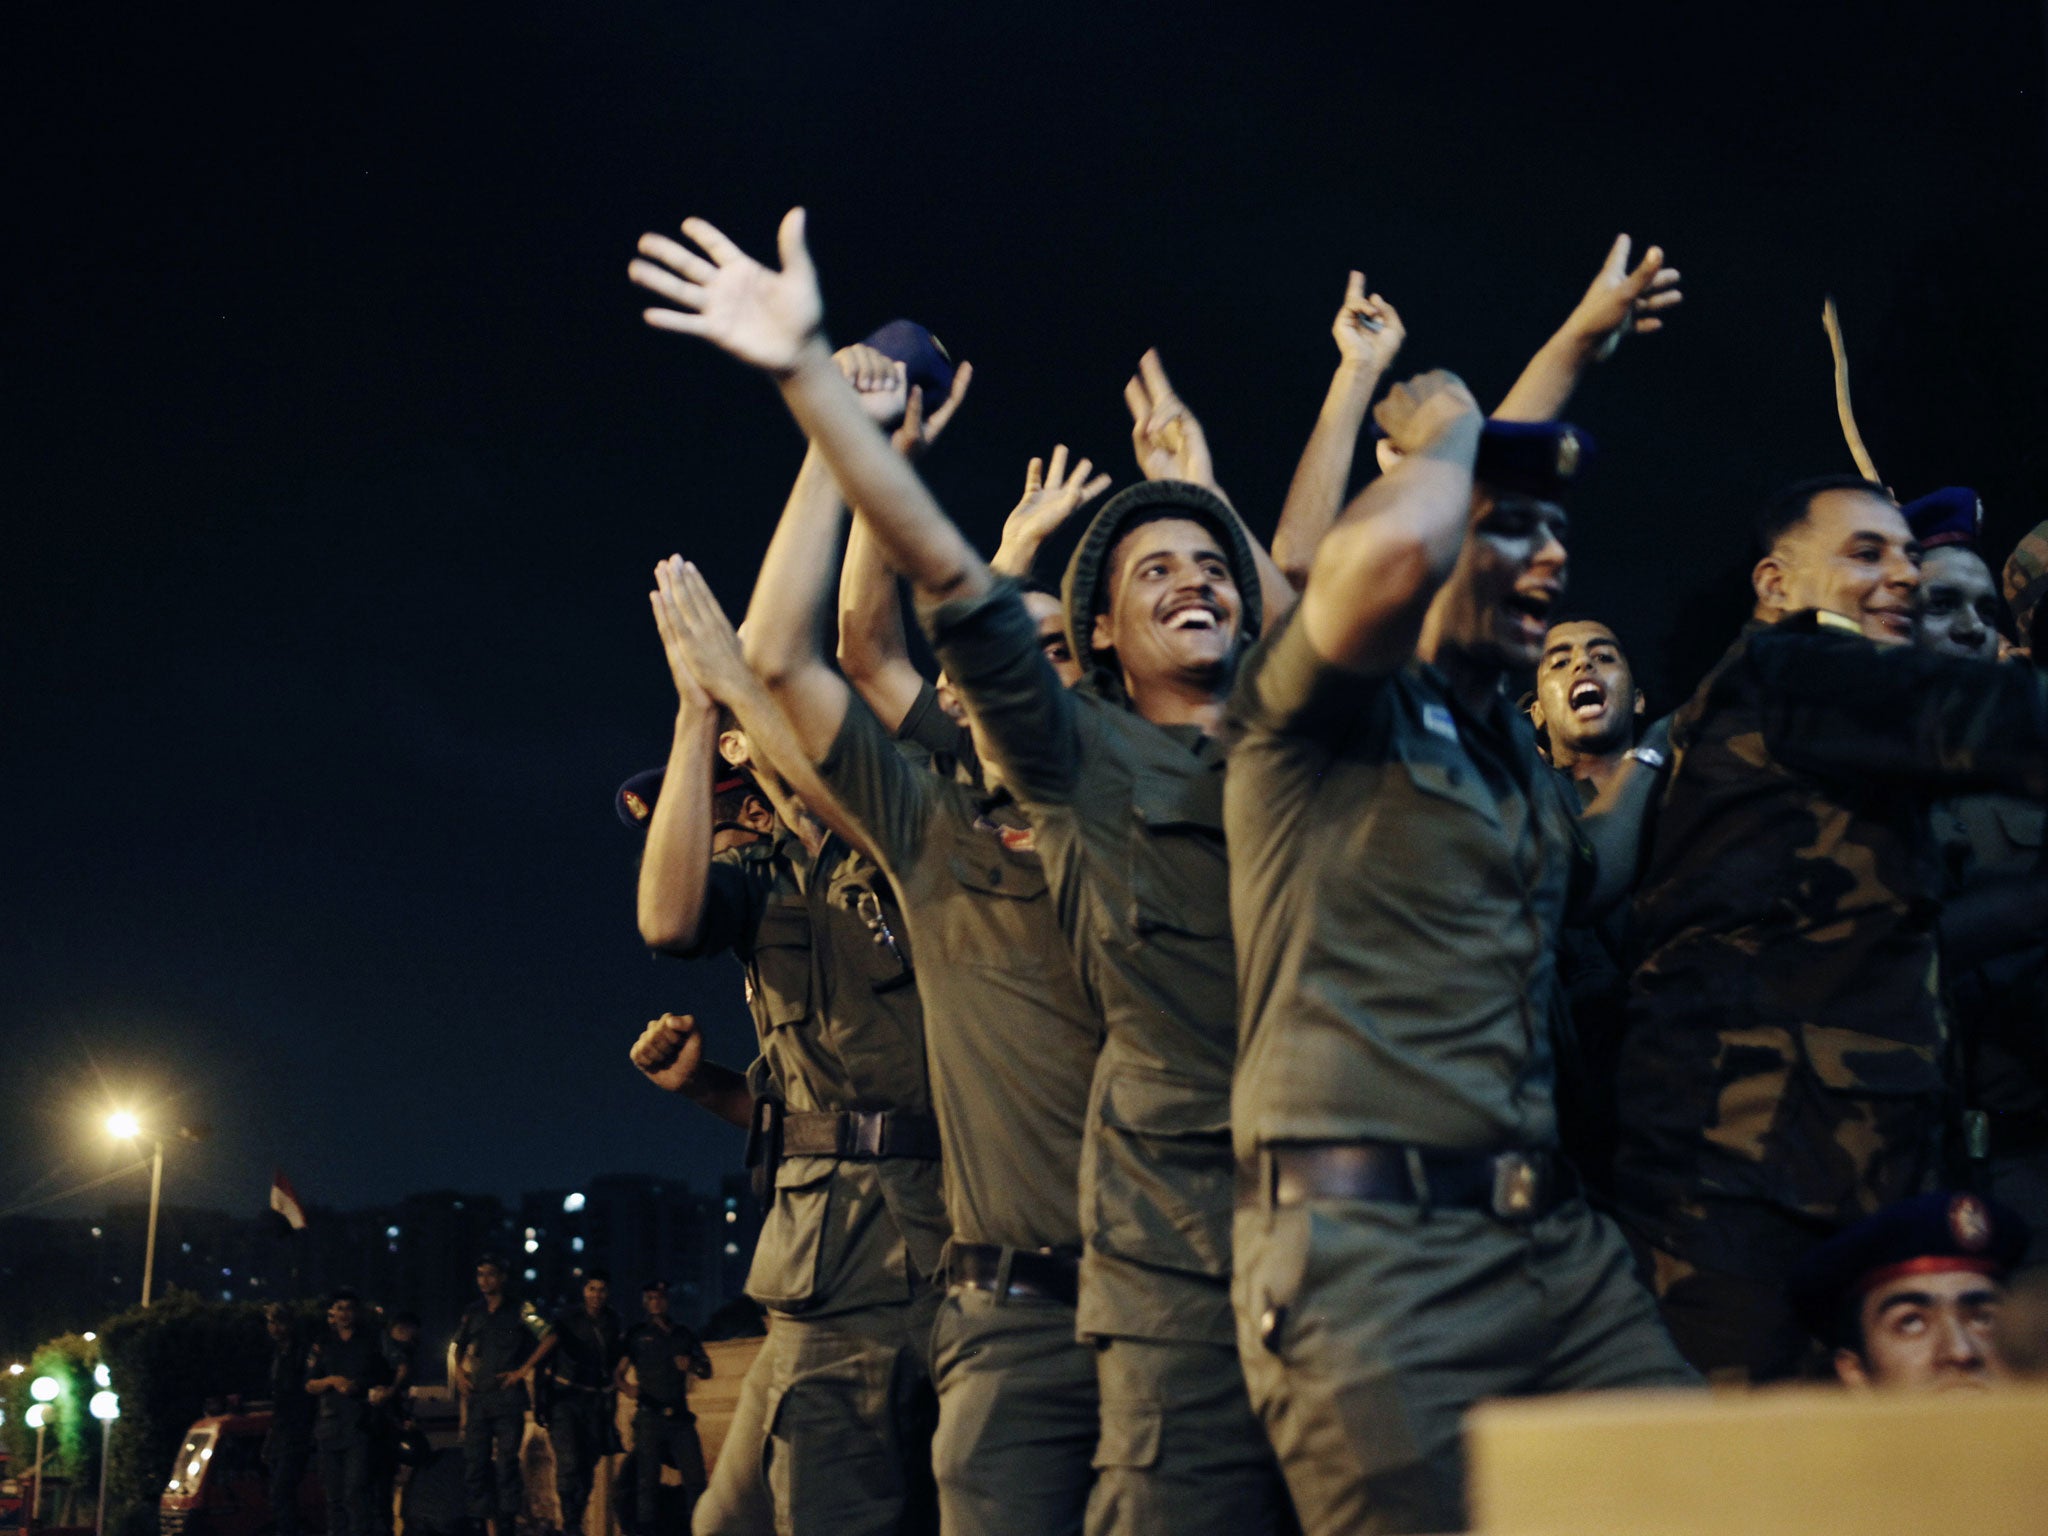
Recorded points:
346,1396
342,1395
1202,1183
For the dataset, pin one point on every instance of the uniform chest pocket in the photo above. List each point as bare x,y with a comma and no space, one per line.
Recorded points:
987,868
1447,774
781,973
868,933
1178,872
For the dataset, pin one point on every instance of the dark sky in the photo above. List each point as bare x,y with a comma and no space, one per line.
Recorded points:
338,458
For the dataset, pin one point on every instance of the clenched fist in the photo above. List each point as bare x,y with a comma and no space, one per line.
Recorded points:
670,1051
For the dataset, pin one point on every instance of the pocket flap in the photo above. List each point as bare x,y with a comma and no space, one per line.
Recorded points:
1161,799
1130,1434
990,869
1153,1103
2021,822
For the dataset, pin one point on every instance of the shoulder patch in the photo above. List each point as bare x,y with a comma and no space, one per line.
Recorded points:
1438,722
1649,757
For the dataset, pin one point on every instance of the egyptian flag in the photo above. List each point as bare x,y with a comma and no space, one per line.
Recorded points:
285,1201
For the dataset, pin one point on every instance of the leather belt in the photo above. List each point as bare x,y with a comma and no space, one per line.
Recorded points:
1513,1186
1044,1274
860,1134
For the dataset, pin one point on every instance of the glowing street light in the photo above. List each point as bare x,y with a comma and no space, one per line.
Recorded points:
123,1126
100,1377
44,1389
105,1407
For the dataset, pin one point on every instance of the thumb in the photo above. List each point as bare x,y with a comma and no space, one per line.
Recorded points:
1615,267
789,242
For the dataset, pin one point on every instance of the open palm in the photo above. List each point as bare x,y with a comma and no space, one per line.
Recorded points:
726,297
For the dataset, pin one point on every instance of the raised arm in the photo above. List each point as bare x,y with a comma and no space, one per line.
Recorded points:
1369,333
774,320
1377,569
781,646
715,656
874,656
1051,496
675,869
1621,300
1171,445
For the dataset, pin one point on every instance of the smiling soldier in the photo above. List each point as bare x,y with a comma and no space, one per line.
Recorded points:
1786,1067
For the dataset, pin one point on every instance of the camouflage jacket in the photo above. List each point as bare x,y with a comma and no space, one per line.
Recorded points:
1786,1054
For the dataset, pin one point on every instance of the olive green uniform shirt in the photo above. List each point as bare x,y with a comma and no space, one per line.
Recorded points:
840,1029
1401,873
1011,1036
1129,821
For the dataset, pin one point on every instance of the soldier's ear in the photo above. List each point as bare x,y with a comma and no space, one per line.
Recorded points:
1102,637
1849,1369
1642,704
1768,580
732,746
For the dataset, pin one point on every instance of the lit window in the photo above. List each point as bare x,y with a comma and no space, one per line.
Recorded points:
572,1203
531,1233
731,1249
575,1245
391,1231
95,1231
732,1216
532,1274
532,1246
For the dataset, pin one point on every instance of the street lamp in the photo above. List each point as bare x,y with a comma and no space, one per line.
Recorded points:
105,1407
123,1126
38,1417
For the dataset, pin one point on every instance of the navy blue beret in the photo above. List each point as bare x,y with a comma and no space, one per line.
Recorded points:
926,363
634,799
1951,515
1927,1234
1543,459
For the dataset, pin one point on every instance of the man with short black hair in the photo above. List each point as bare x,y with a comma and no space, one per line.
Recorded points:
584,1344
664,1355
345,1366
1408,1238
1588,710
1786,1066
493,1346
1908,1299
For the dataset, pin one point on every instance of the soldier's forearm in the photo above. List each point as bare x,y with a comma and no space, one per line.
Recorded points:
722,1091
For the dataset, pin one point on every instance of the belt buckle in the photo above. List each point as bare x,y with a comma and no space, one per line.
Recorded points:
1519,1186
868,1128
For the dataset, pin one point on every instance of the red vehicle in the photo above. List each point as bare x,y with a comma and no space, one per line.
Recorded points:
218,1485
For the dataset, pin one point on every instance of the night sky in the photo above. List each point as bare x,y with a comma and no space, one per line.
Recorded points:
338,458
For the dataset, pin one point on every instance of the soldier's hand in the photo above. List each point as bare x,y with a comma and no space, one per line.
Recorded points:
699,637
669,1051
1169,440
1417,413
878,380
1623,300
1051,496
759,315
1367,329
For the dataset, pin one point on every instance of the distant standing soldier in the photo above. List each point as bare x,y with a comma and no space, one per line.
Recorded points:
493,1355
664,1356
345,1365
289,1445
584,1343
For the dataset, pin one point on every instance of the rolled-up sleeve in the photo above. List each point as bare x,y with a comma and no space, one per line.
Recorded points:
989,647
